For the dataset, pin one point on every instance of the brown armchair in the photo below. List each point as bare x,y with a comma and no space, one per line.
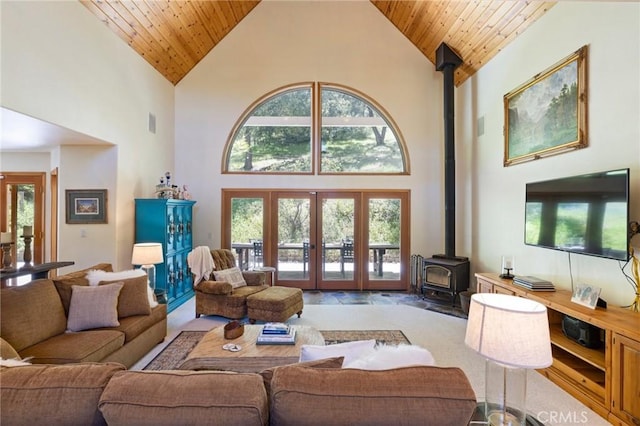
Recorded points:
218,297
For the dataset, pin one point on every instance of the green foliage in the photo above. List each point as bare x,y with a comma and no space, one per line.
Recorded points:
247,219
293,220
287,148
384,220
558,125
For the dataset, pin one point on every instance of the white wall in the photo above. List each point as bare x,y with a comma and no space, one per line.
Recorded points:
67,68
280,43
496,216
82,243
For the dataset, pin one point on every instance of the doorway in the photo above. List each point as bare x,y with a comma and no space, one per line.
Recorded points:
321,240
22,196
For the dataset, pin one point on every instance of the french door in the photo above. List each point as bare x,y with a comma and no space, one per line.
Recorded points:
325,240
22,196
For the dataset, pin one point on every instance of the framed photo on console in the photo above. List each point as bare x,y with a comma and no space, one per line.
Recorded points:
86,206
586,295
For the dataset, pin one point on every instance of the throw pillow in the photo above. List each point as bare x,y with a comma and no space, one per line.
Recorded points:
386,357
133,299
95,276
232,275
349,350
93,307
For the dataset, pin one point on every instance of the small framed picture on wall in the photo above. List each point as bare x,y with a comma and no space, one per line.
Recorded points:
86,206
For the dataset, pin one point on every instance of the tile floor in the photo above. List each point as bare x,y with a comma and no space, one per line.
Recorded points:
432,301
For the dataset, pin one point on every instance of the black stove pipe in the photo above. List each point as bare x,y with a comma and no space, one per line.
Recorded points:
447,61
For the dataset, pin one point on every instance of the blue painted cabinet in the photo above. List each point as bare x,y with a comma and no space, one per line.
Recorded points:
168,222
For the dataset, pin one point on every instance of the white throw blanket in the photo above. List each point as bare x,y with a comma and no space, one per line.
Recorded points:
201,263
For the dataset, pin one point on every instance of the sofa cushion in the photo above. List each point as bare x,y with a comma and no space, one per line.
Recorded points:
65,288
64,283
94,307
214,287
407,395
30,314
134,297
83,346
185,398
54,395
135,325
232,275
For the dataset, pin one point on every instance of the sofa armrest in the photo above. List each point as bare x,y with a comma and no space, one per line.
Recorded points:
254,277
214,287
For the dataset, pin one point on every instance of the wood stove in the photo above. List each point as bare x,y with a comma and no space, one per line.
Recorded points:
447,272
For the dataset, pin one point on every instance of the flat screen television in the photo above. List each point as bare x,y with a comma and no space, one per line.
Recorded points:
586,214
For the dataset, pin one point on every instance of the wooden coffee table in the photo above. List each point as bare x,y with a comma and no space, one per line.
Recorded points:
209,355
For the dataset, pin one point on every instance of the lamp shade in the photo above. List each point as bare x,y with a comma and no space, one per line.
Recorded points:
509,330
147,254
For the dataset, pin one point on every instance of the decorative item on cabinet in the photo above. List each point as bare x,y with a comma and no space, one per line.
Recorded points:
168,222
168,191
507,267
634,253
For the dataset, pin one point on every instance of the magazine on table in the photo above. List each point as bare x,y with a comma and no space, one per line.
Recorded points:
276,328
277,339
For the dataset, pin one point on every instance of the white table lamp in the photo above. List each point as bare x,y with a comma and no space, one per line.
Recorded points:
147,255
512,333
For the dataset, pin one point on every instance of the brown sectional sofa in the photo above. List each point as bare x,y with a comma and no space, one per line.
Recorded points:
34,323
300,394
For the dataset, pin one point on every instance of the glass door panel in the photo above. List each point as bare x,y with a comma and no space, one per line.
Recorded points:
247,231
384,239
339,242
294,239
387,241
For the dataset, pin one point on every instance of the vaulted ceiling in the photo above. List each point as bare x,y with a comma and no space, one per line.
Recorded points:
174,35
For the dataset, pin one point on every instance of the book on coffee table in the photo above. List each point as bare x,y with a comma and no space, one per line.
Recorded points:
275,328
277,339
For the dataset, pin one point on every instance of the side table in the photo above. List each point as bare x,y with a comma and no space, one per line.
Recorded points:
271,271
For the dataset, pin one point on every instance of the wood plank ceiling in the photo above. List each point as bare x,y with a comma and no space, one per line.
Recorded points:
173,36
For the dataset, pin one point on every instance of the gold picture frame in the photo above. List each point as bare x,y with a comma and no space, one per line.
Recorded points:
547,115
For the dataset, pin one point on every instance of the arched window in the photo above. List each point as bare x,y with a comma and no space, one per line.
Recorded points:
350,134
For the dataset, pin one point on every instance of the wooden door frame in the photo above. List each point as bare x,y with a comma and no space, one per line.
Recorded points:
37,179
363,196
356,196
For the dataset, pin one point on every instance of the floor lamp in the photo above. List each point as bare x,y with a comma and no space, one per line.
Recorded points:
512,334
147,255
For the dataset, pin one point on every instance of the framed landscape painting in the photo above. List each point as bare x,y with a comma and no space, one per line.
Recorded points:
86,206
547,115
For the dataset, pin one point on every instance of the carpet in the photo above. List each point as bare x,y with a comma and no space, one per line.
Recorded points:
176,352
